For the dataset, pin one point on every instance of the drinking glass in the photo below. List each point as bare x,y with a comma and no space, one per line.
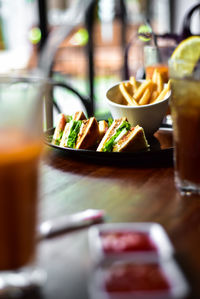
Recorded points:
185,111
157,58
21,103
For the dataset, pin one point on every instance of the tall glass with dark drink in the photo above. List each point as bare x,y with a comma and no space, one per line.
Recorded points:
185,111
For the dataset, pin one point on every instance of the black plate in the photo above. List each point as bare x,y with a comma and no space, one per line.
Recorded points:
160,151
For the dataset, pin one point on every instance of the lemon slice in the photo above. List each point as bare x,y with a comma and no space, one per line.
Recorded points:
185,56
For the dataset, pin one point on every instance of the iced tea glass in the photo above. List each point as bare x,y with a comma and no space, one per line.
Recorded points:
21,103
185,111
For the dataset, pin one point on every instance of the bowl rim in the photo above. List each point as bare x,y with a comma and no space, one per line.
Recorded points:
166,98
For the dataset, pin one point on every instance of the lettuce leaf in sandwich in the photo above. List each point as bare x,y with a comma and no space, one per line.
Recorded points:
73,135
122,130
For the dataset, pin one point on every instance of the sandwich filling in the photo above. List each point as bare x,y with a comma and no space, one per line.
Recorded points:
73,134
58,139
120,132
58,133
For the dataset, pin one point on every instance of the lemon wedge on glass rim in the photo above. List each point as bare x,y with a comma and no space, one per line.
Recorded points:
185,57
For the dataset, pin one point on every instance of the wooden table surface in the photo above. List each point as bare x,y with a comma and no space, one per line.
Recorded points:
141,193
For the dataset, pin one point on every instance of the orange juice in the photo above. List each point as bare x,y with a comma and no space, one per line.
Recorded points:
19,159
162,68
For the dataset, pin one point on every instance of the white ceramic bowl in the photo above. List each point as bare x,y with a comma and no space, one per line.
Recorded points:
149,116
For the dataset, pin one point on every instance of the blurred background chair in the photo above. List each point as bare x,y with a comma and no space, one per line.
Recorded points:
85,50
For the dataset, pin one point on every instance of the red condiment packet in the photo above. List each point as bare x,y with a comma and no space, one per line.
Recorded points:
130,277
118,242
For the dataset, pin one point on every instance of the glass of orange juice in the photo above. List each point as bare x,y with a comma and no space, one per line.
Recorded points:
157,58
185,111
21,103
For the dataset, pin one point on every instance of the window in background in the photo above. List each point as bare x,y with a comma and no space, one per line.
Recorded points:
17,19
160,15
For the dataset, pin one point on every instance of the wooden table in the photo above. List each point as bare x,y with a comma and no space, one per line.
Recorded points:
127,194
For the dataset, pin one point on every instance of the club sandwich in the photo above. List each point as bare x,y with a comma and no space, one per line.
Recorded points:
121,137
62,121
81,134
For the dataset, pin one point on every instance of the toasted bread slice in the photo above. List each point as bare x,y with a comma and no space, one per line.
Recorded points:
110,132
133,140
61,122
79,115
66,132
88,135
103,127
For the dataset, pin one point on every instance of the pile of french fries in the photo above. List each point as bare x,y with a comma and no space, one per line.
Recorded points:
148,92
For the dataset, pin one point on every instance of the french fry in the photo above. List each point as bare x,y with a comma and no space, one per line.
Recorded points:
144,100
134,83
163,93
154,95
141,89
129,87
130,100
160,83
154,76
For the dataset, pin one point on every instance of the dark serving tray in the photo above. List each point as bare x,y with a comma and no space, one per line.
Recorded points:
160,151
